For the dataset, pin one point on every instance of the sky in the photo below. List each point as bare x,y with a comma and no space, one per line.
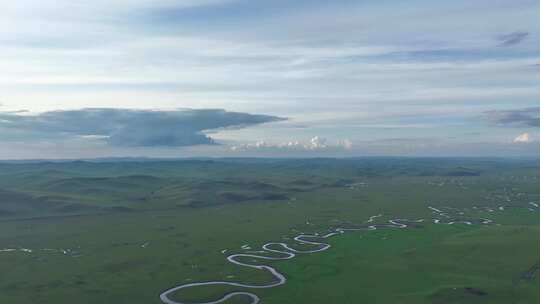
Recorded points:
269,78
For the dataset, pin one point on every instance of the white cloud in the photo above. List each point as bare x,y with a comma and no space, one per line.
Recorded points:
316,143
346,144
524,138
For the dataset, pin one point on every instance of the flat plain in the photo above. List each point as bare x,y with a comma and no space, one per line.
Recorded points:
125,231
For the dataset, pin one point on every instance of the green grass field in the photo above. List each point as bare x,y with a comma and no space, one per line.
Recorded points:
122,232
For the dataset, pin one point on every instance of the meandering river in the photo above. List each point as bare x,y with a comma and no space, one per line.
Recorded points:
282,251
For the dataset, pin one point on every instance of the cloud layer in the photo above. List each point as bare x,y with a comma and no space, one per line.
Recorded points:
131,128
529,117
365,70
512,38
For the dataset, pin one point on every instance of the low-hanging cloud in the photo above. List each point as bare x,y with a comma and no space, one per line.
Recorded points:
524,138
316,143
512,38
131,128
529,117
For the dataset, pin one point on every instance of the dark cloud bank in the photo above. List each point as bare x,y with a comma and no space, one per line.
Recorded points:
123,127
529,117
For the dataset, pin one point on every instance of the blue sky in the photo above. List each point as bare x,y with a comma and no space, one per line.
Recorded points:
330,78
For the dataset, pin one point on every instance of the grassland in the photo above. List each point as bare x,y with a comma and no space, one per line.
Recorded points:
122,232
